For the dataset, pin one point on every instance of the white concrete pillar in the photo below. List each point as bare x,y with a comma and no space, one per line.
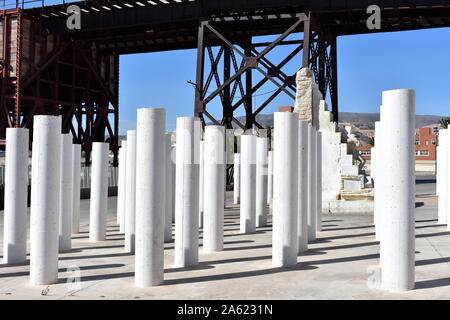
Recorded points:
373,152
150,200
121,190
229,146
438,170
303,154
76,165
16,190
285,190
398,163
248,184
119,185
168,208
445,185
201,187
443,207
312,183
378,190
237,179
214,182
261,182
187,188
173,160
99,192
238,134
130,192
66,194
319,181
229,158
44,210
382,190
270,177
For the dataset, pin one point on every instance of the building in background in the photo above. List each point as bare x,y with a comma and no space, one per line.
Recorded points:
426,141
365,152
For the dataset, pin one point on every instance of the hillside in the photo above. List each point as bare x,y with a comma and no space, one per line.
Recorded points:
364,121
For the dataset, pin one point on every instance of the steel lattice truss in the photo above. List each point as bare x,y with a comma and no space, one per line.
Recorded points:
320,57
46,75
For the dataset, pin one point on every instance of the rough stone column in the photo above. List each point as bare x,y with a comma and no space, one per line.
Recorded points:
168,209
303,155
187,188
248,184
261,182
99,192
237,179
44,210
76,164
443,207
16,189
151,146
285,190
312,183
66,194
130,192
214,165
308,97
121,195
399,165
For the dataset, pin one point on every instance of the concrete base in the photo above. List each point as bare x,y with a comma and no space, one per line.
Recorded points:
348,207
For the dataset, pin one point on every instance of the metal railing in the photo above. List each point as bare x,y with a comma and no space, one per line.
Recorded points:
85,176
28,4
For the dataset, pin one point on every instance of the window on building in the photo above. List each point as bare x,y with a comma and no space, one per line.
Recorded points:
417,142
365,152
424,152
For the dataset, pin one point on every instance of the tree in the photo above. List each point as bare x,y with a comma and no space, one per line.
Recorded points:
444,122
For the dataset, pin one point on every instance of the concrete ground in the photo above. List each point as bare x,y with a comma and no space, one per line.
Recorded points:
342,264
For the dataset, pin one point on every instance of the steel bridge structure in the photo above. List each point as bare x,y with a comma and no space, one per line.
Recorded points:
45,68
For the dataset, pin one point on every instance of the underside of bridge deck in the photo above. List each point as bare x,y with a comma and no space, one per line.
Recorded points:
49,69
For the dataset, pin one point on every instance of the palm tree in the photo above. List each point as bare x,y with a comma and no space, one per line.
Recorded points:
444,122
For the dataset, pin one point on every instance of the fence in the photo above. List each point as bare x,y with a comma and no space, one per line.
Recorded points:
85,176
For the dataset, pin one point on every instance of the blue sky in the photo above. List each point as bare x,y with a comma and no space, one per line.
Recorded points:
367,65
